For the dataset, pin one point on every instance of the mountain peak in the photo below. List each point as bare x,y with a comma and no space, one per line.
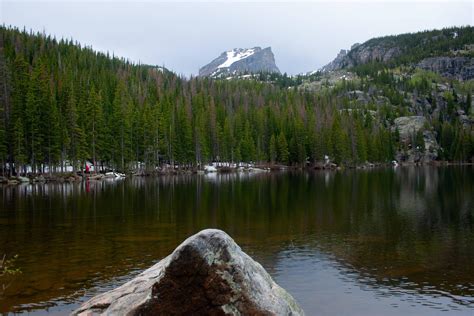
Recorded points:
241,60
237,54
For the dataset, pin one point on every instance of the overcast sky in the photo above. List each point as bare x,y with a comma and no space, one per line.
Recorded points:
184,36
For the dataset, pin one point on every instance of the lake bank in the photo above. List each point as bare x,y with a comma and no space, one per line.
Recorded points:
220,169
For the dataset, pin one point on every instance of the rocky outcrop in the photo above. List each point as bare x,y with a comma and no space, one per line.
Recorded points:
460,68
408,127
414,45
327,79
464,119
362,54
338,63
239,61
208,274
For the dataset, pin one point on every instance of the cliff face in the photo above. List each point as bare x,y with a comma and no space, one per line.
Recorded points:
239,60
364,54
448,52
460,68
338,63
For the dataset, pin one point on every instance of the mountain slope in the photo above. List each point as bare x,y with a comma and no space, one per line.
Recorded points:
238,60
63,104
424,80
414,49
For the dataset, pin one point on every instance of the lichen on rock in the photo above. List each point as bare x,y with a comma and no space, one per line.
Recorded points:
208,274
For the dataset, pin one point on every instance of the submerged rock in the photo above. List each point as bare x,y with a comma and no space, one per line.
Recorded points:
207,274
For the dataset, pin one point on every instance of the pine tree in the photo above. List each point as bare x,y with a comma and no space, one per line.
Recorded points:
19,146
283,153
361,144
247,145
4,107
183,140
67,103
52,142
447,141
273,149
32,117
77,151
340,141
468,103
119,124
94,126
20,79
419,140
228,141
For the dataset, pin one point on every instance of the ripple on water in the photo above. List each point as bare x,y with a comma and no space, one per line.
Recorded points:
317,279
376,242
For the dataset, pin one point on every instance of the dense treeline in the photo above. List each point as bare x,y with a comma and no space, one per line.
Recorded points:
66,104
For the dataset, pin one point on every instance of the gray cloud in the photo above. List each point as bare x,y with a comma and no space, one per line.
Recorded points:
184,36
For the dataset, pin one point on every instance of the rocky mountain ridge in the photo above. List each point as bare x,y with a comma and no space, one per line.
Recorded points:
448,52
460,68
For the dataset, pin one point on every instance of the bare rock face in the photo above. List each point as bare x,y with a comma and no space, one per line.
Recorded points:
447,52
208,274
460,68
338,63
407,127
239,61
362,54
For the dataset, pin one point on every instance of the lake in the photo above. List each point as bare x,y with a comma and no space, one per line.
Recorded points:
356,242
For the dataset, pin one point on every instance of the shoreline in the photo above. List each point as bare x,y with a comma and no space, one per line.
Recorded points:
256,169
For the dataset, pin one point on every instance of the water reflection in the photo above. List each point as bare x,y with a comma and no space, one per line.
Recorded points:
403,234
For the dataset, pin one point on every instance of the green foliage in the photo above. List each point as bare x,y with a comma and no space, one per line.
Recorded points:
62,103
419,140
415,46
361,143
282,145
7,272
468,103
273,149
339,140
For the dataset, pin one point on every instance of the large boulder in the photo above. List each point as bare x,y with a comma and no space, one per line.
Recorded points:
208,274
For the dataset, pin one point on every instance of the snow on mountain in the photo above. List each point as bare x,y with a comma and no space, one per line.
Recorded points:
236,55
239,61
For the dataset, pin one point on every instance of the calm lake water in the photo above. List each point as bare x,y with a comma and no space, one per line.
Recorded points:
371,242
